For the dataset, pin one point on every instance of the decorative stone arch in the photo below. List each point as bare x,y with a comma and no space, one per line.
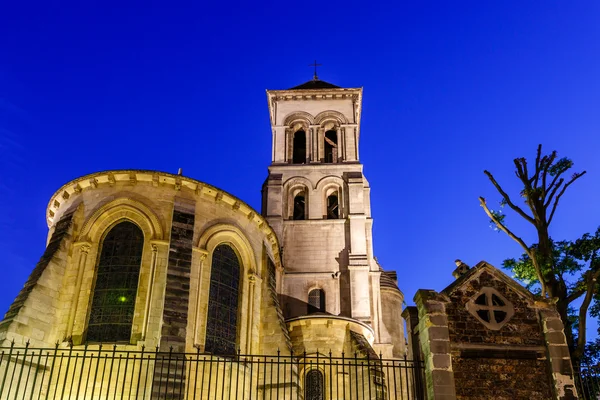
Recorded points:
291,188
117,210
224,233
298,116
89,244
326,187
294,123
330,115
308,373
330,136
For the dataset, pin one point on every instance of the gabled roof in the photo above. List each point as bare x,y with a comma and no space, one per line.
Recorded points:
315,84
495,272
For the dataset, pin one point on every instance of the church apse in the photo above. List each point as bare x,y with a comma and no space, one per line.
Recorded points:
162,286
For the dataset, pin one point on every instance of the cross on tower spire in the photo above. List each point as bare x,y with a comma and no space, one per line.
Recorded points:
315,77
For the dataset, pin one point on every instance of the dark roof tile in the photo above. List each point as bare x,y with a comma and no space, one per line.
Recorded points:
315,84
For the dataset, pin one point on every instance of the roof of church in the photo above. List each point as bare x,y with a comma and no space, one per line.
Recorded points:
388,279
315,84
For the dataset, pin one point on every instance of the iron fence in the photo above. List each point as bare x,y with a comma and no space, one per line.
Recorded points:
96,372
587,381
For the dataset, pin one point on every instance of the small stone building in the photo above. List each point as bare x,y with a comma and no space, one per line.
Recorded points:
487,337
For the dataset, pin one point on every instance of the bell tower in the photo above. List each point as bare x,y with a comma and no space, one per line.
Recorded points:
317,200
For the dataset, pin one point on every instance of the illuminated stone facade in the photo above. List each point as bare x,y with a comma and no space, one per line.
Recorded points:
279,262
317,200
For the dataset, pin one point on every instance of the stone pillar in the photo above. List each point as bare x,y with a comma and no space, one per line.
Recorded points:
84,249
435,345
558,355
411,316
279,144
309,145
176,302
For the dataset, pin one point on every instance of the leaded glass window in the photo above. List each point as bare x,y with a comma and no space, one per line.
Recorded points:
221,325
316,301
117,275
314,385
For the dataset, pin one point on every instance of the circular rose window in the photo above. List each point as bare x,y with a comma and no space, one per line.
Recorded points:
490,308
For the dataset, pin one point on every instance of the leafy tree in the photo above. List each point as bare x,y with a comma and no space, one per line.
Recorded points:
565,271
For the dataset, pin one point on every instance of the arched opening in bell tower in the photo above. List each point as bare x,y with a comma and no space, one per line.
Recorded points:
299,211
333,209
299,148
331,147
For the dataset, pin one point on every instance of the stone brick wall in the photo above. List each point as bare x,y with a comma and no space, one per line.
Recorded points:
471,355
32,316
522,329
176,300
497,372
178,279
481,377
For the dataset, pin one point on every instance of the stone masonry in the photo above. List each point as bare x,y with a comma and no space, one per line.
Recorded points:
510,347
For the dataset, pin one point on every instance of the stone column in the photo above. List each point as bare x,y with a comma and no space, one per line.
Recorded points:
176,301
558,355
411,316
84,249
320,134
151,279
435,345
340,145
309,145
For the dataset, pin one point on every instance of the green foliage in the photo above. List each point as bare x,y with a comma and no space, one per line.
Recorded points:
571,264
560,166
565,266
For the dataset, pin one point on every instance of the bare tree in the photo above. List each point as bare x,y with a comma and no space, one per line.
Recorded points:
543,188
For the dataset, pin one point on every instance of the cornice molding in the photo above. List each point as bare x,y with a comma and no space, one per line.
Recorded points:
68,194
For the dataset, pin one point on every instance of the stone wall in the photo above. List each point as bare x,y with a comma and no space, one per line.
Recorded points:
516,350
485,337
32,316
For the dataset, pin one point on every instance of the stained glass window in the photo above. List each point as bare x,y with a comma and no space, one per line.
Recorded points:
116,284
314,385
316,301
221,325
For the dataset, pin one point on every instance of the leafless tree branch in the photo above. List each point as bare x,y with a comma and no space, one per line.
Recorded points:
530,252
506,197
573,179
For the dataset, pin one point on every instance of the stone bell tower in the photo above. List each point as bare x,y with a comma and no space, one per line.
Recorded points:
317,200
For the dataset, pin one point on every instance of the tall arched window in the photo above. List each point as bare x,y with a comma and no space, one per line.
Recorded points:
331,147
316,301
299,212
117,275
221,324
299,154
314,385
333,209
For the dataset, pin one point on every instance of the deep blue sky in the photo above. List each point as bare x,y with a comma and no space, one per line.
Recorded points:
450,89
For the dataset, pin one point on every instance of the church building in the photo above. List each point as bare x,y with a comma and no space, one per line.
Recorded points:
140,261
158,286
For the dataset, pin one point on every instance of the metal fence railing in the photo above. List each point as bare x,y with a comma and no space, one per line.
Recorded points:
96,372
587,381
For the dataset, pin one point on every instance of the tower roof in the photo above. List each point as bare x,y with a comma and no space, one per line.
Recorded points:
315,84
